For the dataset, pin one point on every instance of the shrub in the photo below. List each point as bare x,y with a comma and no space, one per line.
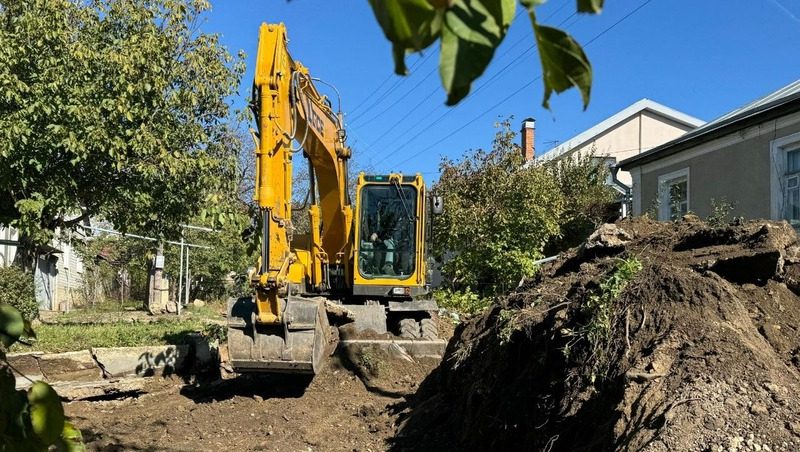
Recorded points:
16,289
501,214
461,301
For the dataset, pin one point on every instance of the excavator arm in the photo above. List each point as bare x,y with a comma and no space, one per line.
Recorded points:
279,328
289,110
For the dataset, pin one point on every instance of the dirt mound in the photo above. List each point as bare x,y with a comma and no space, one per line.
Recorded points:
651,336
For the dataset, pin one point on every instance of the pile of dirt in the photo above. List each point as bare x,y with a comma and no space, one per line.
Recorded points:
651,336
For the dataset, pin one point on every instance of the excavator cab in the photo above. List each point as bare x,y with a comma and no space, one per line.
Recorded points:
390,232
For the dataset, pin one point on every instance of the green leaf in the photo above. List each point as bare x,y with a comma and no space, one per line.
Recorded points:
590,6
47,413
564,64
408,24
71,439
471,32
12,325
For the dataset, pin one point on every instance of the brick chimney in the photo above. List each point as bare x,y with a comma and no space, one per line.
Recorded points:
528,133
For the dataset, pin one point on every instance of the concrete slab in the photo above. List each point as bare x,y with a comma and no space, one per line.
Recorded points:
25,365
69,366
415,348
118,387
142,361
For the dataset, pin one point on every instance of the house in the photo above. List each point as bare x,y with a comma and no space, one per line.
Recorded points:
59,271
636,129
748,158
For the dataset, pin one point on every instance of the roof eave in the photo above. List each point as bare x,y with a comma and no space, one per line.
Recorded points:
777,109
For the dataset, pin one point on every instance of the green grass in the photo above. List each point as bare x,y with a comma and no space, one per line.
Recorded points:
63,338
211,310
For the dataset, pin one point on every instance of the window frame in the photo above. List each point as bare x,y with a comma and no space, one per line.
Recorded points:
664,181
779,151
361,230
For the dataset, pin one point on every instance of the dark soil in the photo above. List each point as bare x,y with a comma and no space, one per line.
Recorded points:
703,352
334,412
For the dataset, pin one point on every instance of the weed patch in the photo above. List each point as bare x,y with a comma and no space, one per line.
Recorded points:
64,337
462,302
599,311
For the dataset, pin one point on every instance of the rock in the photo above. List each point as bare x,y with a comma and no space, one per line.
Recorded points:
759,408
691,218
198,303
338,314
608,236
735,443
172,307
793,427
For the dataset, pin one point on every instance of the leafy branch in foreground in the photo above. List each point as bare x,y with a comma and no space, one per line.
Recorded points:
31,420
469,32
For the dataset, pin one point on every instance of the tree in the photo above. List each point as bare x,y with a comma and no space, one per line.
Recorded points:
500,214
210,267
114,109
469,31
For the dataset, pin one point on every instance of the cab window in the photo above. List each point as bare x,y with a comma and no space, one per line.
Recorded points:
387,242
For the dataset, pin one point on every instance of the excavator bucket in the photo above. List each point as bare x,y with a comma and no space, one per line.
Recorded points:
297,345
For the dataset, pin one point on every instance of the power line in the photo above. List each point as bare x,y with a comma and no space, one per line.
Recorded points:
413,109
399,99
481,86
478,89
376,90
402,79
786,10
606,30
394,86
520,89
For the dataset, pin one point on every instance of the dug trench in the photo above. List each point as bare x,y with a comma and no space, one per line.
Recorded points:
650,336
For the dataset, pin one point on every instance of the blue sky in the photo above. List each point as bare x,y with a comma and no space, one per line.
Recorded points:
702,57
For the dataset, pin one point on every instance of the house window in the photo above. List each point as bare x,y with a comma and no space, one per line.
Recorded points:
673,195
791,182
784,179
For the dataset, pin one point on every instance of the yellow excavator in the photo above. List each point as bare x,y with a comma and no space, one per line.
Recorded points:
365,262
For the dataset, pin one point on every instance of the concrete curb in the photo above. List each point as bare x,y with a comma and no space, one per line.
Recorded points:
98,366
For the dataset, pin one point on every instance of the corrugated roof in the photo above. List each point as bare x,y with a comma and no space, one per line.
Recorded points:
725,124
619,117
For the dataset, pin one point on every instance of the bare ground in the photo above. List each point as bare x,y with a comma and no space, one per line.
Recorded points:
335,412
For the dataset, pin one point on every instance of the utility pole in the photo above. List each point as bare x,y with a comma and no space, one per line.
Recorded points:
155,301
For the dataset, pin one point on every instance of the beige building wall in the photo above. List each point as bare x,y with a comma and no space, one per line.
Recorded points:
735,168
639,133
